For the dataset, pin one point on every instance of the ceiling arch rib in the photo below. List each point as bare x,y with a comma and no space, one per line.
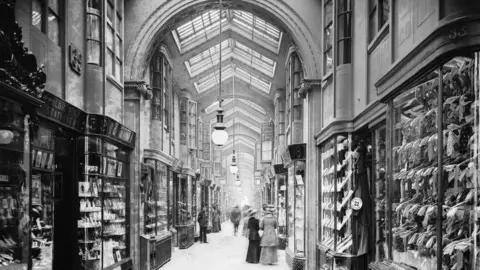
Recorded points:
244,123
212,79
206,26
227,105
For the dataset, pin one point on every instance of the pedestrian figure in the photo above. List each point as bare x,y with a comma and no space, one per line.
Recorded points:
245,222
216,227
235,217
203,222
253,252
269,241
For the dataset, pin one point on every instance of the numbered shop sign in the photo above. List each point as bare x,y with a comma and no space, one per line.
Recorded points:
356,203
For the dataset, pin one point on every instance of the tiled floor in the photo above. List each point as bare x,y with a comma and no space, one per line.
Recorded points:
223,252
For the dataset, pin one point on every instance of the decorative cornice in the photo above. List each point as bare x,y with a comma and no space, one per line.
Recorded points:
140,87
307,86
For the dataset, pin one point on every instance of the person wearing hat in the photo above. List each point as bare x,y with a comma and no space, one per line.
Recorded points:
269,240
216,219
235,217
253,252
203,222
246,217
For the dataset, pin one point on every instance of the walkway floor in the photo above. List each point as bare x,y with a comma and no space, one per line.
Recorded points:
223,252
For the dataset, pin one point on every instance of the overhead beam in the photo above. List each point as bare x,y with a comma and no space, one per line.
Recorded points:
229,32
233,60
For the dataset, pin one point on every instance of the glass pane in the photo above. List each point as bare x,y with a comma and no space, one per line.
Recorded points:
109,37
344,5
327,62
379,175
328,37
460,160
109,62
344,51
93,27
37,14
93,54
344,25
385,12
299,207
118,46
118,25
53,5
94,4
53,28
328,13
372,25
110,15
119,6
414,186
118,70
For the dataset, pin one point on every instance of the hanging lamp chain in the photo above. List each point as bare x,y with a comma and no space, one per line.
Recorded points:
220,6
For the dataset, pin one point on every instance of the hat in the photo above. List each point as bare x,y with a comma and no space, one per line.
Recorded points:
270,209
252,212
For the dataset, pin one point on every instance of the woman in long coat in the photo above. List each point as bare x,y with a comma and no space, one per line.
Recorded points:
216,220
253,253
245,222
269,241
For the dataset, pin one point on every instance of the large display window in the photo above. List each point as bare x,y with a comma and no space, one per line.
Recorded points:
433,187
14,186
156,199
103,188
296,208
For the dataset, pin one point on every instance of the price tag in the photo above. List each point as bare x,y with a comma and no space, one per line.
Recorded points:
356,203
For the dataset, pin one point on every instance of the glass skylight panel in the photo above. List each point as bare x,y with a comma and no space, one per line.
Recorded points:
241,110
197,29
208,58
214,106
258,27
210,80
254,106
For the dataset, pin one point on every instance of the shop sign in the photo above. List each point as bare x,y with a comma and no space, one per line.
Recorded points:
298,151
104,125
356,203
58,110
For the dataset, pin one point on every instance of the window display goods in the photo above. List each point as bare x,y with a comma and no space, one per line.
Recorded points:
435,188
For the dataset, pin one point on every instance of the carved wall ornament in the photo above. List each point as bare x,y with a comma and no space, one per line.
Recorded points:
75,59
141,87
307,86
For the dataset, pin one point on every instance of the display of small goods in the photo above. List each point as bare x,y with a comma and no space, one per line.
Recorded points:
102,193
336,170
299,207
291,208
14,199
416,170
155,205
380,192
41,221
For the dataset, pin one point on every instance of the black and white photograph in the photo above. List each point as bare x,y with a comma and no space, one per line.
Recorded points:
240,134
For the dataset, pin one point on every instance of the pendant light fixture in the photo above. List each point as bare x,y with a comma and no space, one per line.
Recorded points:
220,134
233,165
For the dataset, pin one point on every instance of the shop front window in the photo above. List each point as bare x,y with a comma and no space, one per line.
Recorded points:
14,187
155,206
103,230
434,192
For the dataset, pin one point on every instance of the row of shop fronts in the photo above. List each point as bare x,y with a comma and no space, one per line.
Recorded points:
394,185
69,190
82,190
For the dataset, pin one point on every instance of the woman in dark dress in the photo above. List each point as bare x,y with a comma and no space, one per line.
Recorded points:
253,253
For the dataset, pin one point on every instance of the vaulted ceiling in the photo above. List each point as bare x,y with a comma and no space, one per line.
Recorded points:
253,49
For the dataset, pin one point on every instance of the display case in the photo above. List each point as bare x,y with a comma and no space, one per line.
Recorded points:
42,206
379,192
299,200
156,200
103,233
14,186
434,192
337,192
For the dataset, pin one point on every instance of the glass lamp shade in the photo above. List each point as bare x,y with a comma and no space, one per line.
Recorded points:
234,168
219,137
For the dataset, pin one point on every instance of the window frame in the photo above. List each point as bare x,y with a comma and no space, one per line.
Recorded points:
326,26
117,37
346,39
156,69
376,12
98,14
46,10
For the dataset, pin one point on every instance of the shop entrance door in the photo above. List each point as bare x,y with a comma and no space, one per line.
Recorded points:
65,234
